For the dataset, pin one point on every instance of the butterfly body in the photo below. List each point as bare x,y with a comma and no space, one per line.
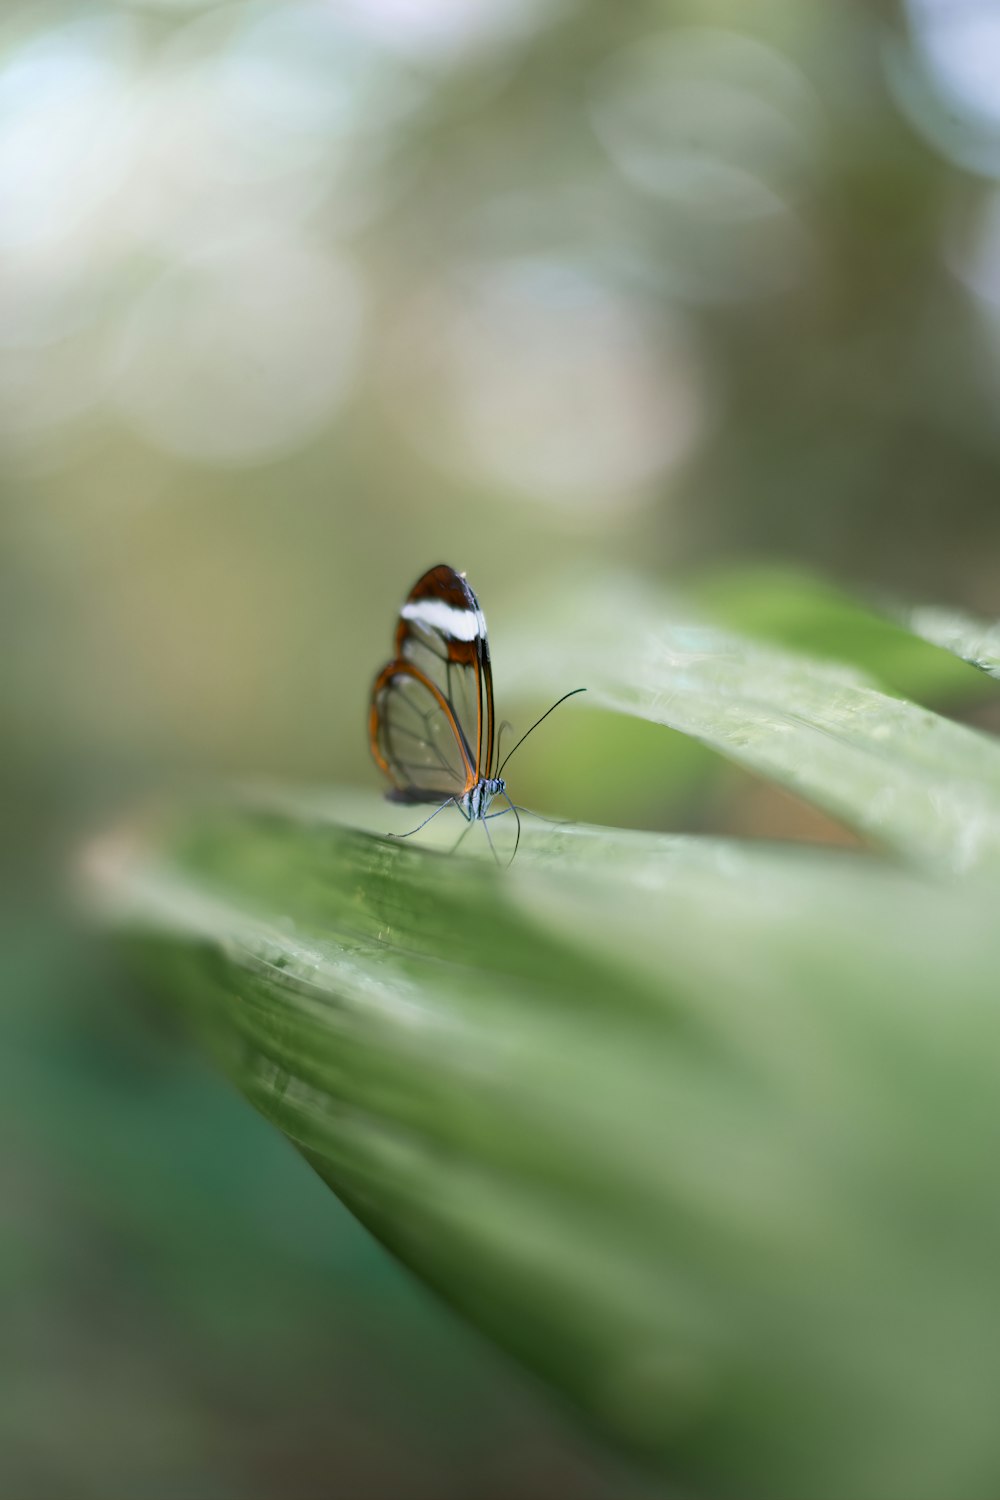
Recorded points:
475,804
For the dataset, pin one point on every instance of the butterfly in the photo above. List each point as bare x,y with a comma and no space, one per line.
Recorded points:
431,723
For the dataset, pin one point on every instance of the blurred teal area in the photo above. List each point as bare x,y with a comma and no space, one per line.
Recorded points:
297,299
190,1314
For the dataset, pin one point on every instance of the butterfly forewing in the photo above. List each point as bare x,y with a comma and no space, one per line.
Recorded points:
432,708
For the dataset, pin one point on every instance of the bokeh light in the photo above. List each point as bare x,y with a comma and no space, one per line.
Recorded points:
447,31
945,77
297,298
69,135
547,380
240,352
724,131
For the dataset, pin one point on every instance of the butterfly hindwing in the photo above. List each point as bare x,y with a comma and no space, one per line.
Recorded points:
414,738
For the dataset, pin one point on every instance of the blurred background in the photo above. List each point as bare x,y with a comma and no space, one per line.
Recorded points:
297,299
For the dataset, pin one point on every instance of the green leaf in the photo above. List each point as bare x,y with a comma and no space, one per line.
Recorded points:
975,641
908,779
808,614
702,1133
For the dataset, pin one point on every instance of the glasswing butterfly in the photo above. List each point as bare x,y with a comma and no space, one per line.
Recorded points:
431,719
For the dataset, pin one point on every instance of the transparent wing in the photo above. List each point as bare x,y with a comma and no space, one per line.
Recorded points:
458,681
416,738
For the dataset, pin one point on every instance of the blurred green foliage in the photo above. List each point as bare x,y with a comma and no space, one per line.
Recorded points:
300,297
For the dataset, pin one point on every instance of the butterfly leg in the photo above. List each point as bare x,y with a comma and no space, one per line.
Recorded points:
556,822
490,839
424,824
517,820
461,836
502,814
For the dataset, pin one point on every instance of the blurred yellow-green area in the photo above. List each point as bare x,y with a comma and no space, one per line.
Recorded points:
297,300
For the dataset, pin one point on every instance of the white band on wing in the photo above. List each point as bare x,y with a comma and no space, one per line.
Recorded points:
459,624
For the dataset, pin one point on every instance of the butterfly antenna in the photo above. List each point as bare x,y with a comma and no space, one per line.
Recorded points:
545,715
